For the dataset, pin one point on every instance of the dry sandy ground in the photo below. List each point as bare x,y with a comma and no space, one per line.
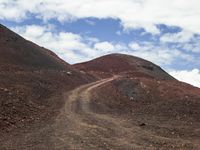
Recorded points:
77,127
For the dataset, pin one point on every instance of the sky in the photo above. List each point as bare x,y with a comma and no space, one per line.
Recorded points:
166,32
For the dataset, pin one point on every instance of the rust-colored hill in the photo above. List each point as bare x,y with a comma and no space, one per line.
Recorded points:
32,79
156,114
164,110
116,101
16,52
113,64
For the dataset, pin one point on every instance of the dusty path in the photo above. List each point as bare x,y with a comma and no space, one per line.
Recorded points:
77,127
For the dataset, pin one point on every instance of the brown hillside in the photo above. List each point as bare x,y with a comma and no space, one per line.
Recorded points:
31,81
47,104
15,51
113,64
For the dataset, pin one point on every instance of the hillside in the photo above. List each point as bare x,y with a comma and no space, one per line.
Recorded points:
163,110
31,81
17,52
113,64
116,101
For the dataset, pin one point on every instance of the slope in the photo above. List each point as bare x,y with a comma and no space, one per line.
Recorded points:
31,81
17,52
111,64
164,110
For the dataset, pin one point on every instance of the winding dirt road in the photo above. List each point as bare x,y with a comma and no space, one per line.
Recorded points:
77,127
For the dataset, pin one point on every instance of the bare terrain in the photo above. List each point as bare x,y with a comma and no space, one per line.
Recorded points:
117,102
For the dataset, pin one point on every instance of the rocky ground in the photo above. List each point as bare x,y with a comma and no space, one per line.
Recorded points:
113,102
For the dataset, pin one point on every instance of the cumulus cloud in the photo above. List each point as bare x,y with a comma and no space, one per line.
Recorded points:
75,48
135,46
133,14
69,46
159,54
180,37
192,46
192,77
105,46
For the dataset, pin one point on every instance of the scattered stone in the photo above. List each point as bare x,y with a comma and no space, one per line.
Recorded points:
82,141
69,73
142,124
82,72
143,85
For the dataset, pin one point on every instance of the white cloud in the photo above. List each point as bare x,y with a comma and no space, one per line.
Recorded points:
195,47
104,46
92,23
75,48
188,42
192,77
159,54
69,46
132,13
135,46
180,37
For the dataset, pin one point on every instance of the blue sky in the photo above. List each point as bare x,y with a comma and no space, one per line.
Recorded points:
165,32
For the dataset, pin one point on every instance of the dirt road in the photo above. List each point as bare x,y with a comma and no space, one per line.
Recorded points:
77,127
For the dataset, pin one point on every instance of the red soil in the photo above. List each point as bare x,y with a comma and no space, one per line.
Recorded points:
122,64
32,79
137,106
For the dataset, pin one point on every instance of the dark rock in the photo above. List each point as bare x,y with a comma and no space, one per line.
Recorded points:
142,124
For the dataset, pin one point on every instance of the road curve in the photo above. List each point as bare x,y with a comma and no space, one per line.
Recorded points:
77,127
